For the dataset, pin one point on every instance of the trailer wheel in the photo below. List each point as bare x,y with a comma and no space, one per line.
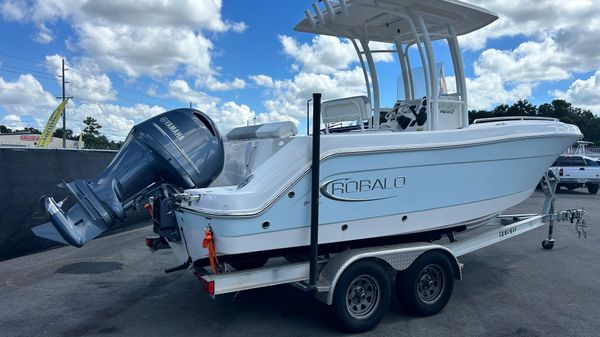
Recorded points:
592,188
548,244
361,296
426,286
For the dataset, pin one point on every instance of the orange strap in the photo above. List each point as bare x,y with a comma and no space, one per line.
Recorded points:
209,243
148,207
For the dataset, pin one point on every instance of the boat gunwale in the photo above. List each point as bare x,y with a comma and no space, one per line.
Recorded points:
370,150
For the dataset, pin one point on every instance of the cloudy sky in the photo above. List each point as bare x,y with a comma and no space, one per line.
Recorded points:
241,61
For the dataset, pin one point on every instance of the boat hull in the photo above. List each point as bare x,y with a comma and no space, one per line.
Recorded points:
385,192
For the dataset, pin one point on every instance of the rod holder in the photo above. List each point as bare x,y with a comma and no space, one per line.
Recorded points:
319,13
344,6
330,9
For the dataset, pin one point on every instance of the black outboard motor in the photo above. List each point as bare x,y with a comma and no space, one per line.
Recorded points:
181,147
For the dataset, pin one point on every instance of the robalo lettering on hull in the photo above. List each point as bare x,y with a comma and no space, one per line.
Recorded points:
348,189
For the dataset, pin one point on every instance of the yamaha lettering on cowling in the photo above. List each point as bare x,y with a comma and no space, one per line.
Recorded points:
181,147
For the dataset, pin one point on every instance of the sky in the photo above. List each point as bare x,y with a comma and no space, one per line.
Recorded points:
241,61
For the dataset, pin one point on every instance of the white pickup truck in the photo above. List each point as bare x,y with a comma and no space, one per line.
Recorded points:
575,171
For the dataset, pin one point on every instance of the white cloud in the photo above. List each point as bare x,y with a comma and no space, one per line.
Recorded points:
26,97
537,19
529,62
325,54
328,54
213,84
562,41
83,81
44,35
13,121
262,80
227,115
116,120
583,93
382,57
179,13
13,10
181,91
326,65
485,92
239,27
230,115
26,103
155,37
288,97
153,51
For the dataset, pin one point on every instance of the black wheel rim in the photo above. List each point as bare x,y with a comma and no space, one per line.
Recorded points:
430,284
362,296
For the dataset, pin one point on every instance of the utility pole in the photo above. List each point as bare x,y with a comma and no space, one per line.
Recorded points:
190,104
64,112
65,109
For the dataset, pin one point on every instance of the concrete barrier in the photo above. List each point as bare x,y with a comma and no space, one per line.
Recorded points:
28,174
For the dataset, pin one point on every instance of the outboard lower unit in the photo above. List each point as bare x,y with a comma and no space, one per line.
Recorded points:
180,147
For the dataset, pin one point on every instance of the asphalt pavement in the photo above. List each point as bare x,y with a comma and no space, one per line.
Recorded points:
115,287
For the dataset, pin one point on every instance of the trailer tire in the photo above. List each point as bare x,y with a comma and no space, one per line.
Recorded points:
426,286
361,296
592,188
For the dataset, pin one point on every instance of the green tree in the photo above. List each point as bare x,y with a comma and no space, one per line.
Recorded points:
4,129
31,130
92,127
501,110
58,133
522,108
587,122
546,110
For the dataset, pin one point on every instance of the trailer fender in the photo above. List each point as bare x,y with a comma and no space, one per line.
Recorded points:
398,257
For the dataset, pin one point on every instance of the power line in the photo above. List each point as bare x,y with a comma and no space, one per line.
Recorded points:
21,73
84,74
23,90
125,98
26,69
122,87
25,59
118,96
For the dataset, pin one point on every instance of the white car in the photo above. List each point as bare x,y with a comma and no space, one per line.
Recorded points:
575,171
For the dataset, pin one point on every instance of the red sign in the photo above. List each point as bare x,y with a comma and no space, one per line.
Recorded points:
30,138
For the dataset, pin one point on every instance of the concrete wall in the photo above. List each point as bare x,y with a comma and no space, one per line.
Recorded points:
30,140
28,174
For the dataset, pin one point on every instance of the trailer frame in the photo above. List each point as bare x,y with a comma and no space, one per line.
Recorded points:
399,257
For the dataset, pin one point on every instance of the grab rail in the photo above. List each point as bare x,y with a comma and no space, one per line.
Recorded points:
513,118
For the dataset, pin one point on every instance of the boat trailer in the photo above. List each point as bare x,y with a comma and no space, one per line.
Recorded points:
356,283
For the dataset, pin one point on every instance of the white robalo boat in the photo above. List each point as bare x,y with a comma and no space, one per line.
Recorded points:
417,167
371,191
380,179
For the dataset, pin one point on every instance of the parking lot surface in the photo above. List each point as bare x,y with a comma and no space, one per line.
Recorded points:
115,287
